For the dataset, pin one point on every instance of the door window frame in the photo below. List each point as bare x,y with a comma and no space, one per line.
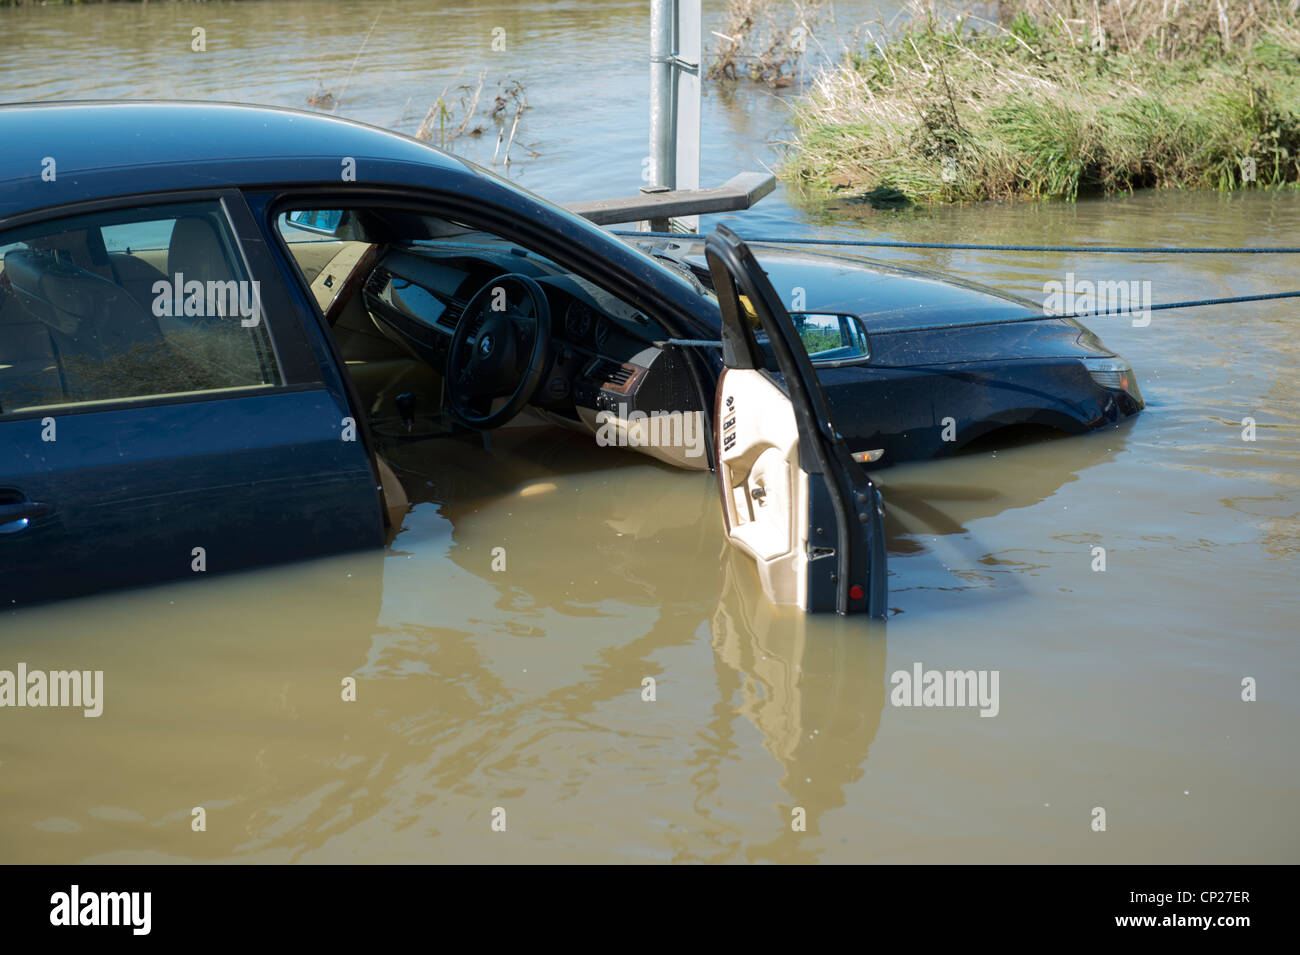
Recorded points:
499,220
290,348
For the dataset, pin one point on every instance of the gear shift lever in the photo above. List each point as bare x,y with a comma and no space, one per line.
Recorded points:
406,408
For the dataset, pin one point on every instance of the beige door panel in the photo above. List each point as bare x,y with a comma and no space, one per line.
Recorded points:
764,491
342,276
313,255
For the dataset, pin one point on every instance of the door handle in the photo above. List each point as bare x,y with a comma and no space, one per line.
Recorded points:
16,517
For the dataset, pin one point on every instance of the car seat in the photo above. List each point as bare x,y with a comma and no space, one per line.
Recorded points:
89,318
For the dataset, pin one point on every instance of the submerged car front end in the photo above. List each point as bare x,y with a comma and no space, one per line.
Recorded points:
946,362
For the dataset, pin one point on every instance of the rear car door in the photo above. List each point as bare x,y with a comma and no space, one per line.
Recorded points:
793,497
163,411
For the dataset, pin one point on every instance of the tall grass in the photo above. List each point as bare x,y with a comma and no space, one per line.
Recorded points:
764,40
1060,99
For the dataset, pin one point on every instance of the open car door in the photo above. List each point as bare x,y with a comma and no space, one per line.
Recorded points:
793,497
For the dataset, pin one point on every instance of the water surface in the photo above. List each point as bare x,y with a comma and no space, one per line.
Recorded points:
522,689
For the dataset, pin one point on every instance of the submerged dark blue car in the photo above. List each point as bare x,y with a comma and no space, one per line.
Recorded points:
214,319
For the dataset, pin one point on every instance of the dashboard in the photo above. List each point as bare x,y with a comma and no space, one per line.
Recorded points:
603,351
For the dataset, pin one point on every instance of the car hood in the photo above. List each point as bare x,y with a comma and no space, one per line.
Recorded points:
915,315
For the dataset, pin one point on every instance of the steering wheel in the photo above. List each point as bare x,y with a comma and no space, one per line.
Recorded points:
500,349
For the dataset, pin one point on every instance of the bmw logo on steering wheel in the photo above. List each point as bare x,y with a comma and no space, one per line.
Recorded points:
485,345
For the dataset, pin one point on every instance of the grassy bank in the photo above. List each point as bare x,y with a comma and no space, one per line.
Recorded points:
1057,100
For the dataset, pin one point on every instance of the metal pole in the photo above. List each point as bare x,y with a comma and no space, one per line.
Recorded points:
663,147
686,104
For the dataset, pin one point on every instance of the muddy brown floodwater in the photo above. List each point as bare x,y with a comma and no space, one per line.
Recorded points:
522,688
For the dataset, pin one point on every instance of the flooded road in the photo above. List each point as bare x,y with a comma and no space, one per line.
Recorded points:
521,688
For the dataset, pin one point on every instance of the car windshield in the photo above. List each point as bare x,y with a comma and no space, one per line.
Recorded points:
441,238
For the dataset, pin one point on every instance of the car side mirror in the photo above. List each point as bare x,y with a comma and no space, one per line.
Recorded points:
832,339
319,221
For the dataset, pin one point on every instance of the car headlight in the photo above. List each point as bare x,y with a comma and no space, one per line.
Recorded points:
1115,374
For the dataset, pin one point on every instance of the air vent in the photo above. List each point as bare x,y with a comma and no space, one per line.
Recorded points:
450,317
610,373
377,281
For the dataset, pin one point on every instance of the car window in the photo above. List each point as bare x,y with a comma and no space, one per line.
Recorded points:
136,237
128,304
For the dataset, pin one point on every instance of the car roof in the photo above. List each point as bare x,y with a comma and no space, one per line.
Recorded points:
116,150
103,149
